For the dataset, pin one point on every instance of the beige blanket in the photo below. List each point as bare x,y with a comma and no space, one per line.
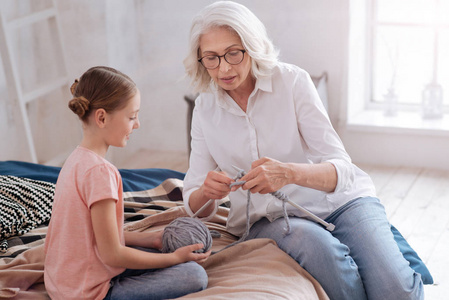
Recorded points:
255,269
23,276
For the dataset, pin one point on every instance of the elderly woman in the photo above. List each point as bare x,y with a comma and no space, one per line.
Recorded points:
266,117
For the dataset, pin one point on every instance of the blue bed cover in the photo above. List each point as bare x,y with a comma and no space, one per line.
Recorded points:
133,179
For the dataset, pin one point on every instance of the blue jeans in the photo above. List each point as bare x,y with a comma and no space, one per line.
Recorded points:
167,283
358,260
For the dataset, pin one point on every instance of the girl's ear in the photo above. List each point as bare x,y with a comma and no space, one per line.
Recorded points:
100,117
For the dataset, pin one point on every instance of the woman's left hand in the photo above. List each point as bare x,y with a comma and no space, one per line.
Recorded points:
267,175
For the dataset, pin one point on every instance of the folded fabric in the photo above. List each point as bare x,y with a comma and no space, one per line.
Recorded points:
19,274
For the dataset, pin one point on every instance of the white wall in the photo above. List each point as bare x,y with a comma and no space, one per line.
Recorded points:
147,39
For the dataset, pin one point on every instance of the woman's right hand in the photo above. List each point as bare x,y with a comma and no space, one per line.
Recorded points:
215,186
186,253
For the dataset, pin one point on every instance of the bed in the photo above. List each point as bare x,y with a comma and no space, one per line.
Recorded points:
255,269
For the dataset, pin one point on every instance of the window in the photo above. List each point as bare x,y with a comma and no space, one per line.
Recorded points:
408,56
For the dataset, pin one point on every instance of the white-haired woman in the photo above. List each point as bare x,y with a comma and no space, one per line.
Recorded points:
266,117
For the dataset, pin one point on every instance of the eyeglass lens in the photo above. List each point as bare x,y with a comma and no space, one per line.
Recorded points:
231,57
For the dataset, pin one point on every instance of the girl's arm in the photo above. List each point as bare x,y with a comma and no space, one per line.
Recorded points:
147,239
114,254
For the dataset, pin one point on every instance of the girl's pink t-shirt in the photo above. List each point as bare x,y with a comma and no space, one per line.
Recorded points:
73,267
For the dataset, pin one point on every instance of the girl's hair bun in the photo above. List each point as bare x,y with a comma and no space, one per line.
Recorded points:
79,105
100,87
73,87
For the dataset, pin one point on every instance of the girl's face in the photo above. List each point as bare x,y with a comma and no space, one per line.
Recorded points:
122,122
219,41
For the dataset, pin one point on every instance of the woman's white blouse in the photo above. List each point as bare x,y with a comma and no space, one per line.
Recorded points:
285,120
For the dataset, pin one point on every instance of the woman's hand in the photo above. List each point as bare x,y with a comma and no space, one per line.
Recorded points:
215,186
267,175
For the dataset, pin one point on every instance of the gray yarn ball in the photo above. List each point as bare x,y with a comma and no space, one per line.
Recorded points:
186,231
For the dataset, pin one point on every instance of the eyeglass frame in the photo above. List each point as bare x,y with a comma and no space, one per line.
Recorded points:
224,57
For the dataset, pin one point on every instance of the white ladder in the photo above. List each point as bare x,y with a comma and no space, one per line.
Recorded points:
10,56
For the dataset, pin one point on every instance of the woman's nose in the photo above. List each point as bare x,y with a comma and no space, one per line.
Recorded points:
224,66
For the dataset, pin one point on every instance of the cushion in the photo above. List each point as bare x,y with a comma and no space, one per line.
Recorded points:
24,205
412,257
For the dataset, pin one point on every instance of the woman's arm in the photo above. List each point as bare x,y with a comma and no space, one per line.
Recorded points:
321,176
269,175
328,158
114,254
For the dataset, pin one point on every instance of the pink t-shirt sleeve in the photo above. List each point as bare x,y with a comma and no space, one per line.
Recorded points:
99,184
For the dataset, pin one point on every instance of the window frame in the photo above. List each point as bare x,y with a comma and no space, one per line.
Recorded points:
372,25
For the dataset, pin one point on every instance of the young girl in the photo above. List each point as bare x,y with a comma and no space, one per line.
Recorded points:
88,255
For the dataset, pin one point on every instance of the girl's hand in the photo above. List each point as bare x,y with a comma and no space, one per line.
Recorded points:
266,176
186,253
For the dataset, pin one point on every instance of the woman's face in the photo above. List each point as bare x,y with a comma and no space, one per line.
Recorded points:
219,41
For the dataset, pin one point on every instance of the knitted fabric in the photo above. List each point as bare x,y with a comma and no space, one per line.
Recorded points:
279,195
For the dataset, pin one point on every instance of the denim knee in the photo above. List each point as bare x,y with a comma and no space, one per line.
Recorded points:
166,283
362,225
306,242
197,279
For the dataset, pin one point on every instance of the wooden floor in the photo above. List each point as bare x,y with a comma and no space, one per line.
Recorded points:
416,201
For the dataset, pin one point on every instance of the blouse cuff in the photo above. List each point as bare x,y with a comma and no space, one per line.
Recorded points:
191,213
345,174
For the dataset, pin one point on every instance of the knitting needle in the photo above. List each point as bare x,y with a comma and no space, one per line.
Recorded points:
202,208
317,219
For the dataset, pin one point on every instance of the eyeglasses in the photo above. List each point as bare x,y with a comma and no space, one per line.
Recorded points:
233,57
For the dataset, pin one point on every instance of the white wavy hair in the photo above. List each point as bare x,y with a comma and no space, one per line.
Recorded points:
250,29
